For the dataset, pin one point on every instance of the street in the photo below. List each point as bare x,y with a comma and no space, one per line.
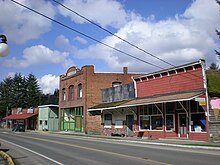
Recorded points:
43,148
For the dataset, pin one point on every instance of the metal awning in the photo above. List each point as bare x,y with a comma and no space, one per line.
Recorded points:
19,116
183,96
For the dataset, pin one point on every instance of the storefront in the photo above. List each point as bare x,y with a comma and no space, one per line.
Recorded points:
29,120
71,119
179,115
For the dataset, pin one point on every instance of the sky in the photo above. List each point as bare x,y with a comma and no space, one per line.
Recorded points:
176,31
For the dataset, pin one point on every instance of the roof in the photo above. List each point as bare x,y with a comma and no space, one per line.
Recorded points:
183,96
170,69
49,105
19,116
107,105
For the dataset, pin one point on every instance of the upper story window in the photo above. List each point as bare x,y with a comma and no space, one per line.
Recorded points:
64,94
115,84
80,91
71,92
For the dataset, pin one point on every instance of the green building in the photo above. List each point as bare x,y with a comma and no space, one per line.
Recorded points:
48,116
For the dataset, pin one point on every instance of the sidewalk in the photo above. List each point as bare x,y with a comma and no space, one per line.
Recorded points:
176,142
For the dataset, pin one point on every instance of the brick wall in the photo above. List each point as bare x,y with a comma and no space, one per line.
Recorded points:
92,84
190,79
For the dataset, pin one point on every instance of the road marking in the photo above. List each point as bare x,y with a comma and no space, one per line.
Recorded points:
52,160
98,150
148,144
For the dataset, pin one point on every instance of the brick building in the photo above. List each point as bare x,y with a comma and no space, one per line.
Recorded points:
171,103
81,89
28,116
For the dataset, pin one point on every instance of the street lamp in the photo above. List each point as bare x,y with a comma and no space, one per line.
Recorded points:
4,49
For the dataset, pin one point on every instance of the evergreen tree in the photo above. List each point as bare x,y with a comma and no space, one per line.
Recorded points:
213,66
23,92
33,91
6,94
19,90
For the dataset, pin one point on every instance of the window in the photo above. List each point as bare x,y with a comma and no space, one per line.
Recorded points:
170,122
71,92
80,90
64,94
115,84
107,121
170,117
45,122
118,124
40,122
198,117
69,115
150,118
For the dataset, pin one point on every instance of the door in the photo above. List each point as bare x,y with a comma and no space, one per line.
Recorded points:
129,123
182,125
78,123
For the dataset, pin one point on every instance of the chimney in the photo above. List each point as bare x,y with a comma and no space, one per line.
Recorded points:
125,70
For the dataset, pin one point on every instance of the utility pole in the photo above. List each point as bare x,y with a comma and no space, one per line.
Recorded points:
6,116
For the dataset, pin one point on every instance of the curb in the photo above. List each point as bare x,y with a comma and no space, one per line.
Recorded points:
7,157
217,148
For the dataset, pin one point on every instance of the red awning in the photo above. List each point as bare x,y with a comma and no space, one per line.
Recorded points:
19,116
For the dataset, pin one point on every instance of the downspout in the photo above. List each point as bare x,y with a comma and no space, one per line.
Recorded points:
206,93
138,110
205,86
135,86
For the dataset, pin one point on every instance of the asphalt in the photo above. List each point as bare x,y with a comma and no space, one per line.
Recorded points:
175,142
185,143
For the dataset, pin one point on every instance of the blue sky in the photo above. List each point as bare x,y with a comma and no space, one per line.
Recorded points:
178,31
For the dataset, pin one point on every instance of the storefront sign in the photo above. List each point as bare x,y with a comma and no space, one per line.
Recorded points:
201,101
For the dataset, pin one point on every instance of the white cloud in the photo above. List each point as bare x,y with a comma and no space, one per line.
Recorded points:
62,42
104,12
185,38
80,40
49,83
38,55
21,24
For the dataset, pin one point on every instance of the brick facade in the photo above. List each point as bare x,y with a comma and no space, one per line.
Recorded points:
92,83
170,103
189,77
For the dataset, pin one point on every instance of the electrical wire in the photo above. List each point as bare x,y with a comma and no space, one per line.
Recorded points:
85,35
115,35
131,44
96,40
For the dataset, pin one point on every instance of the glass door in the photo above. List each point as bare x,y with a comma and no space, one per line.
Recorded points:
182,124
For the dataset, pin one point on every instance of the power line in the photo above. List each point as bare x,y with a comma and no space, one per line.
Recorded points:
85,35
115,35
131,44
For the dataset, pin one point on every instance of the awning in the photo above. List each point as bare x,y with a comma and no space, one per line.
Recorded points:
19,116
183,96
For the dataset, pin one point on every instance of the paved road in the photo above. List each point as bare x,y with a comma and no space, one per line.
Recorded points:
34,148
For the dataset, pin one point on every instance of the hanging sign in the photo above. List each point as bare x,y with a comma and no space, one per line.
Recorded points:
201,101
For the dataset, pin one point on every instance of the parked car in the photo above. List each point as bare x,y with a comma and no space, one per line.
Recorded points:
18,127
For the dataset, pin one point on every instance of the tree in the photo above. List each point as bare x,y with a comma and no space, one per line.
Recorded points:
213,66
33,91
19,91
50,99
213,79
6,94
18,88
